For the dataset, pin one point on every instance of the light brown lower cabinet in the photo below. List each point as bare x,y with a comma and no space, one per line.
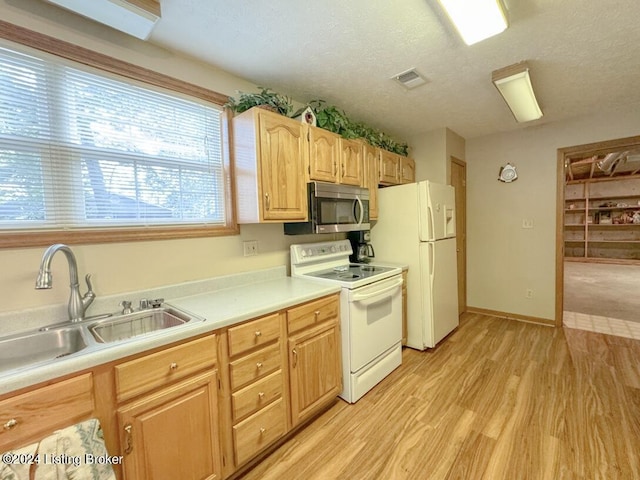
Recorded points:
173,433
202,408
315,369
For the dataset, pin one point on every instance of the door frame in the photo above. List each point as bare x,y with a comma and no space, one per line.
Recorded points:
463,164
596,148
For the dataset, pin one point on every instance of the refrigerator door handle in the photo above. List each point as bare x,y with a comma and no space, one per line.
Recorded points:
430,225
432,259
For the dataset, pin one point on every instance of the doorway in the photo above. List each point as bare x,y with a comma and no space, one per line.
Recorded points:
459,182
597,241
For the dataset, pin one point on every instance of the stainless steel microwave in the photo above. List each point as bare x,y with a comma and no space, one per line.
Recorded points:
333,208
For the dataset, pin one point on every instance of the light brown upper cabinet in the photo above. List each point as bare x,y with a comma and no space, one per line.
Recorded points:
370,161
396,169
271,152
334,159
407,170
324,155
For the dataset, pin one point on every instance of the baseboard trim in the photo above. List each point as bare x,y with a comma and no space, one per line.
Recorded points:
513,316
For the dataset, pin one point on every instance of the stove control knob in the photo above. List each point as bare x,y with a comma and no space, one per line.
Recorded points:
303,253
309,252
333,249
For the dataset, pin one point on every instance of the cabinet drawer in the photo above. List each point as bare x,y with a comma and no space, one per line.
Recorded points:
313,313
258,431
255,396
253,334
254,366
160,368
32,415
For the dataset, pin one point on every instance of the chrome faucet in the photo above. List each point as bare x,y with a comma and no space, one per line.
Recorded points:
77,304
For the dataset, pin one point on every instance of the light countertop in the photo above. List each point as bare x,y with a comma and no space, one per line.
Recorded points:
220,308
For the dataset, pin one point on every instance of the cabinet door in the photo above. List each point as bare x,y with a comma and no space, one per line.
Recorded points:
315,369
173,433
350,162
283,155
408,169
324,154
389,168
370,160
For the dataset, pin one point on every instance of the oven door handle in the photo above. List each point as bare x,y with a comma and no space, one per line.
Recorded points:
358,297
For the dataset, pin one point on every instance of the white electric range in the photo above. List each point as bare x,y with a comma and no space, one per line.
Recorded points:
370,311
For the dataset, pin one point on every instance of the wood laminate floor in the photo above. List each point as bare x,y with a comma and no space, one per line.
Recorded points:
498,399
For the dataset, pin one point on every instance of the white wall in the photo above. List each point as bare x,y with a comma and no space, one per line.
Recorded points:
504,260
122,267
432,152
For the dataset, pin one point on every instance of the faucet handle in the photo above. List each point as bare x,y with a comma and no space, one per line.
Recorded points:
126,307
87,278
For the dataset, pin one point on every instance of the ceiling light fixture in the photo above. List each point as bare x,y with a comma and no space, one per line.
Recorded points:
514,84
128,17
476,20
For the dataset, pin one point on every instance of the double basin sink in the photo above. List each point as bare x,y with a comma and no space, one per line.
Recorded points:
52,343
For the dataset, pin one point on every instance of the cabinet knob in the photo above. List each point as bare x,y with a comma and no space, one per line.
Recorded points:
317,314
261,395
173,366
262,430
258,333
259,365
10,424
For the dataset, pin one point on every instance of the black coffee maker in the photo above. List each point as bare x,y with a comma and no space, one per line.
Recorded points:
362,250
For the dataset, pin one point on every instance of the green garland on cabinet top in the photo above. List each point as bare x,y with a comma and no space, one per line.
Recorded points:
328,117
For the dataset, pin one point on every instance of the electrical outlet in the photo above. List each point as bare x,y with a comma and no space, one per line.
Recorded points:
528,293
250,248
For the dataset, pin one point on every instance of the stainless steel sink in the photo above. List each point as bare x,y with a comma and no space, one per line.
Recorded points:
138,323
22,350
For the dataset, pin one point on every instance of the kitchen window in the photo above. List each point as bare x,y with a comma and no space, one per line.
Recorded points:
86,155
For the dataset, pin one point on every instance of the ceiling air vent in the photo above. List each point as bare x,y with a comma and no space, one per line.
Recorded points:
410,79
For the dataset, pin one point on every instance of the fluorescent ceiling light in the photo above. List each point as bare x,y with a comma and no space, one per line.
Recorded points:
476,20
514,84
127,17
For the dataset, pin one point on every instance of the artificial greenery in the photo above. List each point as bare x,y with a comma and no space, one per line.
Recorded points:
328,117
265,98
335,120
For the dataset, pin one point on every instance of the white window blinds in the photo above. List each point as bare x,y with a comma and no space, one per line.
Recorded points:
79,149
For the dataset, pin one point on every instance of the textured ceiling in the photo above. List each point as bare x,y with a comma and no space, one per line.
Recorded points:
584,57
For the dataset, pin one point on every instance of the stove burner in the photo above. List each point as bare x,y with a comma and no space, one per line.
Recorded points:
368,268
347,276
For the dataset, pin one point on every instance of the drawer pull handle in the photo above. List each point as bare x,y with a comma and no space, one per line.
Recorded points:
262,430
261,395
173,366
259,365
258,333
295,357
10,424
128,439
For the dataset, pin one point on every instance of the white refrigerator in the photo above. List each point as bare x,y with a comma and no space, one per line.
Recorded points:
417,226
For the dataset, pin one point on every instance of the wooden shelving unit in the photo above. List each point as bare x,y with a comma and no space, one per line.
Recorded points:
598,219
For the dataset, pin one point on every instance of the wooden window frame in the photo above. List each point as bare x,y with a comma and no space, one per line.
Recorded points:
69,51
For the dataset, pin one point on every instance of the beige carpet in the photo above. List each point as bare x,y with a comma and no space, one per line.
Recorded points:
602,289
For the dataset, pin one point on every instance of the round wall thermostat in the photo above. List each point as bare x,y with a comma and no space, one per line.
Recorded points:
507,173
